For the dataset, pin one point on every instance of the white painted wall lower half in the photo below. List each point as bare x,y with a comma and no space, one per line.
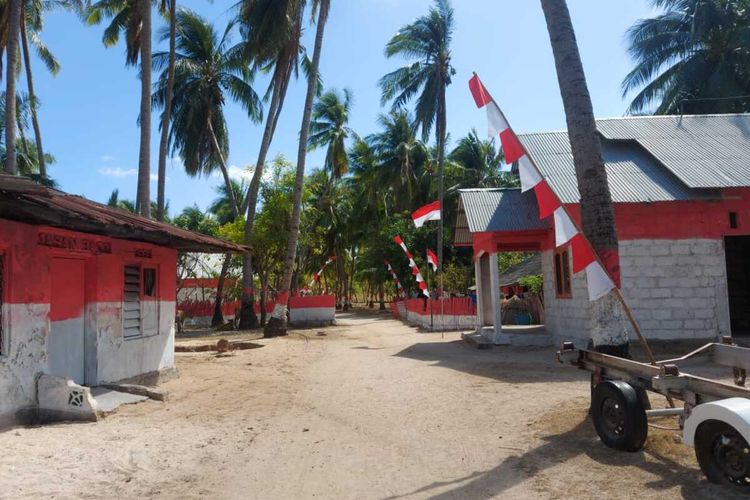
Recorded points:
108,357
311,316
677,290
24,355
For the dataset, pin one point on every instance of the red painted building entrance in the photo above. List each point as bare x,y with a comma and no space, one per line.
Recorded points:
66,315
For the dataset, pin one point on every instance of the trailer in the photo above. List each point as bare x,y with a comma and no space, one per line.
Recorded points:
714,417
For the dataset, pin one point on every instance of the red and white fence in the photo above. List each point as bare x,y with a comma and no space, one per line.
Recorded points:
458,313
312,310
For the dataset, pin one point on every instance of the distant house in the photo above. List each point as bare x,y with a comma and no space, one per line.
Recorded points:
681,188
87,292
510,280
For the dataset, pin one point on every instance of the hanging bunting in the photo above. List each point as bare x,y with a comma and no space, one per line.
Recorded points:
432,260
598,280
413,265
316,276
399,288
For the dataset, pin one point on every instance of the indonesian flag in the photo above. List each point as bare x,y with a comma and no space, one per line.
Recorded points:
316,276
413,265
428,212
598,280
393,273
432,260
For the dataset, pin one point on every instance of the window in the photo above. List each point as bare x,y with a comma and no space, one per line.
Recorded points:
733,220
149,282
131,307
562,274
2,295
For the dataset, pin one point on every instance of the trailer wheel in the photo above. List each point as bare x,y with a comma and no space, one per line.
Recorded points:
619,416
722,453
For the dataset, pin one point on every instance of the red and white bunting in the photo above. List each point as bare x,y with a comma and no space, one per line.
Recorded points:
316,276
432,260
413,265
399,288
429,212
598,280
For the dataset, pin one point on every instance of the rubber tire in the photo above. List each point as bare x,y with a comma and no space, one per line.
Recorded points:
634,425
705,436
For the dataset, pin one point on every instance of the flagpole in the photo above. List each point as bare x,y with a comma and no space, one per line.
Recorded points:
617,291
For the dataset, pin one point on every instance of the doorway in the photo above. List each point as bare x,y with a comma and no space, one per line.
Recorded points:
737,250
66,336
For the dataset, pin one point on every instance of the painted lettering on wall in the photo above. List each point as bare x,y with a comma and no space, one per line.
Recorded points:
72,243
144,253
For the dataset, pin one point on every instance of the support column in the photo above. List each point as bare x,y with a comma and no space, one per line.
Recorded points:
495,294
480,295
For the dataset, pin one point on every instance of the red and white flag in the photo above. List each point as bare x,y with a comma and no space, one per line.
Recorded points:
316,276
598,280
413,265
399,288
426,213
432,260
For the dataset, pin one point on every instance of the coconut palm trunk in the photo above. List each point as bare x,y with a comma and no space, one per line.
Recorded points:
164,140
224,172
607,330
32,100
218,317
143,199
14,20
277,324
282,75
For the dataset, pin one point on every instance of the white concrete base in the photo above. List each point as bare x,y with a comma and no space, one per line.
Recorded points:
312,316
63,399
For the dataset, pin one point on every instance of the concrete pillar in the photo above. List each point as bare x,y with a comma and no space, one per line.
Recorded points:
497,320
478,284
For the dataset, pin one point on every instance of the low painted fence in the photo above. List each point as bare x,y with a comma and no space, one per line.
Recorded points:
312,310
457,313
198,313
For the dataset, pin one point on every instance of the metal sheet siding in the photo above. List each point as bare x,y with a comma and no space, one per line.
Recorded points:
633,175
501,210
703,151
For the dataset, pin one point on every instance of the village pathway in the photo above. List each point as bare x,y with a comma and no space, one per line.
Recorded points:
370,408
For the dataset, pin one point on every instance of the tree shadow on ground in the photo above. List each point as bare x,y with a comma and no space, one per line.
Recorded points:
507,364
571,444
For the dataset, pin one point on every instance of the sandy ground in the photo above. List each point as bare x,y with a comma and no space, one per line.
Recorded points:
370,409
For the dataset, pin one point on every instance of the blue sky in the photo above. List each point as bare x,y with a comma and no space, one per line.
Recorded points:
88,113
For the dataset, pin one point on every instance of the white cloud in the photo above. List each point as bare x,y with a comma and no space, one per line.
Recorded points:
236,173
117,171
107,158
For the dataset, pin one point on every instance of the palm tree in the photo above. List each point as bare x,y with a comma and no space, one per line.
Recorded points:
427,40
277,323
329,128
164,124
223,209
132,19
115,201
207,68
597,212
14,23
478,162
404,159
694,50
272,30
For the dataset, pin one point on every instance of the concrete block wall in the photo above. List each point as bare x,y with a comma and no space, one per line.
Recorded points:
449,322
677,290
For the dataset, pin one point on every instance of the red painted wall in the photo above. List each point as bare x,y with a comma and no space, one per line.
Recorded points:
29,249
673,220
312,301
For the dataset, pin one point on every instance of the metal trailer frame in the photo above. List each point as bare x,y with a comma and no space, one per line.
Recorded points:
721,445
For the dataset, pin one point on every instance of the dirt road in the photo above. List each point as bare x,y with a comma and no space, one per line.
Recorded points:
371,409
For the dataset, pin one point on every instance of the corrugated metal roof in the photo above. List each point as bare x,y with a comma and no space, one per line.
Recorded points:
23,200
633,175
529,267
703,151
501,210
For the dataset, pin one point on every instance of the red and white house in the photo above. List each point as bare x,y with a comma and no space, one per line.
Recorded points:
681,189
87,292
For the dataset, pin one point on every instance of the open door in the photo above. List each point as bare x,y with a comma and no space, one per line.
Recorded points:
66,340
150,302
737,250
